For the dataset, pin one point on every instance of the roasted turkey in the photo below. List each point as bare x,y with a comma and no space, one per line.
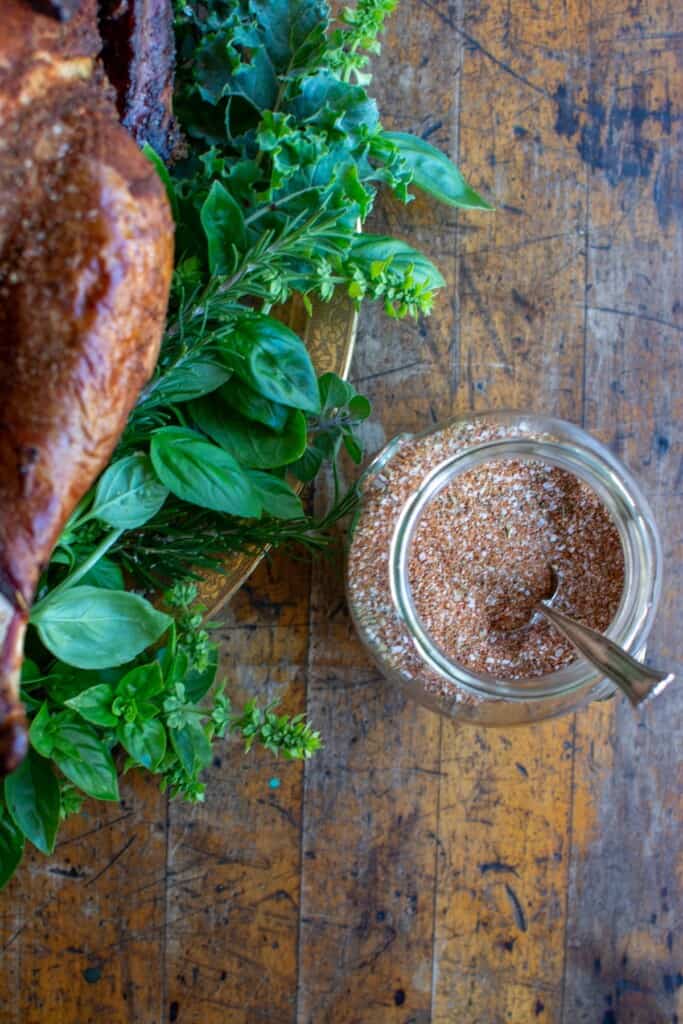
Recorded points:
86,242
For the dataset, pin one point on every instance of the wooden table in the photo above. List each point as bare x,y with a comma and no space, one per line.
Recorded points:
418,871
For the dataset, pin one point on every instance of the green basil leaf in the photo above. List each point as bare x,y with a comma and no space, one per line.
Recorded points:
192,377
254,406
223,225
80,754
92,628
65,682
197,684
105,574
175,668
308,466
11,849
327,442
30,673
251,444
40,734
128,493
145,741
94,704
147,709
201,473
434,173
162,170
277,497
192,746
142,682
166,655
368,250
32,798
335,393
273,360
353,448
359,407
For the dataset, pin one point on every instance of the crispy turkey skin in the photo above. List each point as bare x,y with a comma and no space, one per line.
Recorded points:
86,241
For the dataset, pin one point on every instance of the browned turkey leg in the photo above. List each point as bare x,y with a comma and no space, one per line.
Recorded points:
138,56
85,266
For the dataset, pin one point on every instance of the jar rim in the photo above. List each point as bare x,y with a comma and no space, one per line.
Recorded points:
596,466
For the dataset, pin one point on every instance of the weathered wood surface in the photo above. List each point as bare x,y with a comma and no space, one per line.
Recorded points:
418,871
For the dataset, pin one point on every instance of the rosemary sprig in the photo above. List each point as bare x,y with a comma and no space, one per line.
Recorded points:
181,542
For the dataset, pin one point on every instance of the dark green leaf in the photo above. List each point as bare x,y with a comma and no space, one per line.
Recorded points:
30,672
84,759
370,251
335,393
175,669
273,360
194,376
435,173
251,404
94,704
92,628
165,655
353,448
327,442
277,497
289,28
145,741
308,466
197,684
142,682
162,171
32,797
65,682
11,848
359,407
128,493
250,443
223,225
202,473
254,81
105,574
192,746
40,733
334,105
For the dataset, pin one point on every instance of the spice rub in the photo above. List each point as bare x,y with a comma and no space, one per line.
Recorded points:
495,541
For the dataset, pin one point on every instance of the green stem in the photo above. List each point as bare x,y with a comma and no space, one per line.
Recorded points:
277,203
82,569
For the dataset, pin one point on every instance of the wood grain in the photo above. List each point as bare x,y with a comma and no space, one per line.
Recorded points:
624,941
82,933
371,797
501,903
234,862
419,871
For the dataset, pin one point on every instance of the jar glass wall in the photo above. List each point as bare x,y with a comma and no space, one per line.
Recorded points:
397,489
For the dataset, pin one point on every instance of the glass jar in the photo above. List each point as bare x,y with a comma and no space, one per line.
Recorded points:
393,501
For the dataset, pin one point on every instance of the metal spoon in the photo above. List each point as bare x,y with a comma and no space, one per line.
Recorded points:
637,681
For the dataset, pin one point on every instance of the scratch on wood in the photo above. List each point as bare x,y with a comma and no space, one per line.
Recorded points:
126,846
483,312
649,318
474,44
517,912
498,867
386,373
93,831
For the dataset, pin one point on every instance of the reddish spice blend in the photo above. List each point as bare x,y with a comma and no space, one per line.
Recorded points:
495,541
486,549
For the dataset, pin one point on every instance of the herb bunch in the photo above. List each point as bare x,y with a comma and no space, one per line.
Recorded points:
284,156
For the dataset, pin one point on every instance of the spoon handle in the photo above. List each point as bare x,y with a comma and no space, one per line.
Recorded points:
637,681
